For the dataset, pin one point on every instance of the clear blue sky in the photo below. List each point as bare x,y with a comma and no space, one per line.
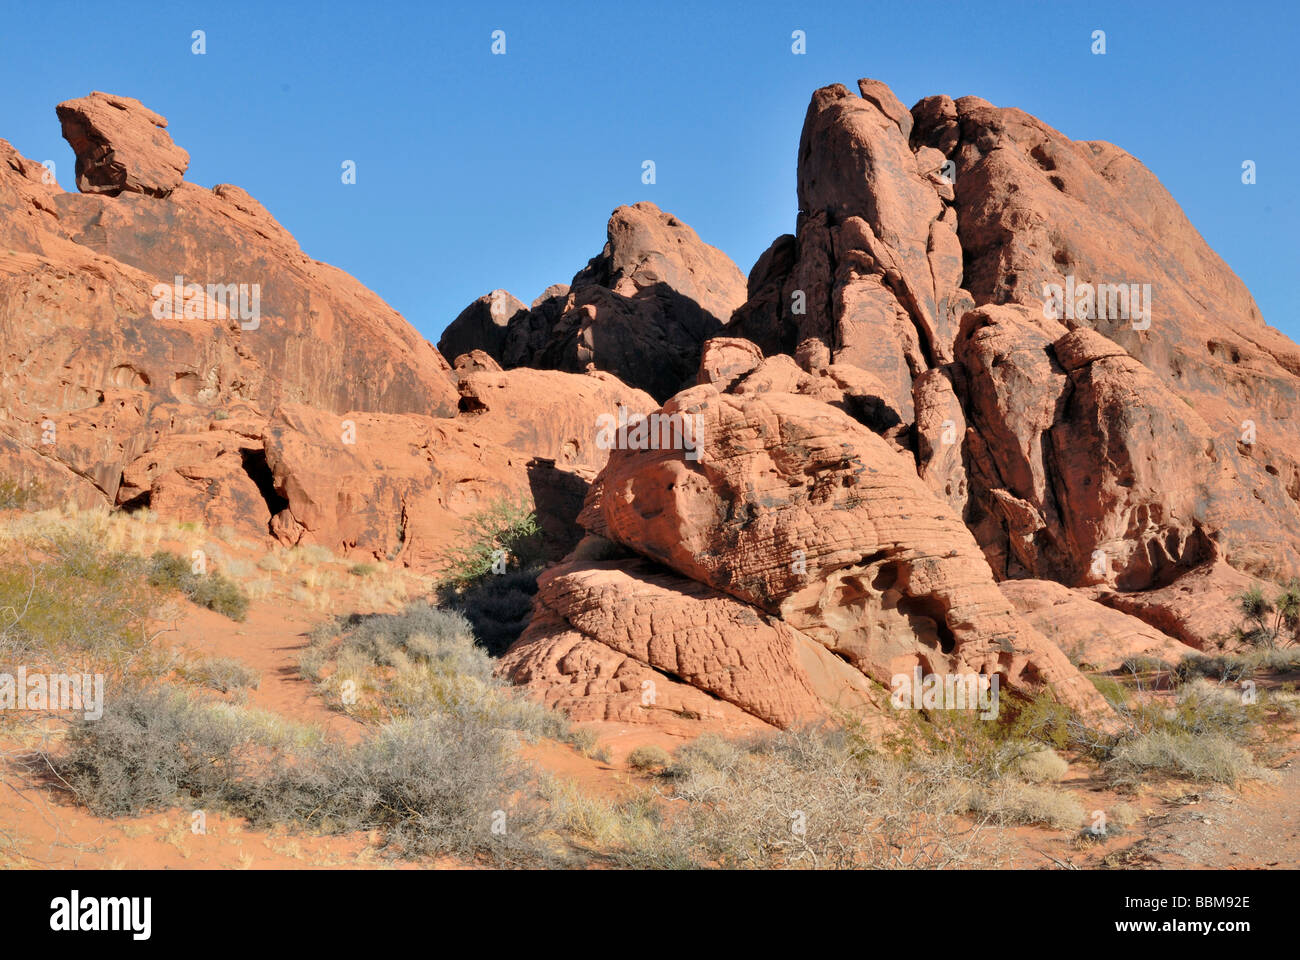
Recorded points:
477,171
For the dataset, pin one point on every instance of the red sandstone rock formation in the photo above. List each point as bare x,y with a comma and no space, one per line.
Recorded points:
1123,448
205,414
908,412
640,310
121,146
819,528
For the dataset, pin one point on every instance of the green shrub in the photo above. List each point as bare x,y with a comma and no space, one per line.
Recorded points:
504,525
76,604
1110,688
211,590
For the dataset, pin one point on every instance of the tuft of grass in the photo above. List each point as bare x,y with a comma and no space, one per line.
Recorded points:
1040,766
221,673
1009,801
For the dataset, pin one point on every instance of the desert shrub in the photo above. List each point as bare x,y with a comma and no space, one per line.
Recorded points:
587,742
221,673
421,662
432,786
496,599
151,748
362,569
634,823
74,604
1040,766
504,525
220,595
1234,668
1224,667
211,590
808,798
1200,757
649,757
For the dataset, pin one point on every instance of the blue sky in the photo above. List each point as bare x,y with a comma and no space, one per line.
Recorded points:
477,171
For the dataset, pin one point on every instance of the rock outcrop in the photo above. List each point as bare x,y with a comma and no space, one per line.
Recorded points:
1092,635
641,310
316,415
105,352
1076,371
816,527
481,326
994,398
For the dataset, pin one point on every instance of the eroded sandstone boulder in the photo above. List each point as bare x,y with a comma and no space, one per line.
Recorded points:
121,145
717,648
481,326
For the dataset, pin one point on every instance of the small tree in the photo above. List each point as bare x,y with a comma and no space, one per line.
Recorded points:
503,535
1270,621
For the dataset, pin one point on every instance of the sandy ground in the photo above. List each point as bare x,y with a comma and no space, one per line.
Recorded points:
1181,825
